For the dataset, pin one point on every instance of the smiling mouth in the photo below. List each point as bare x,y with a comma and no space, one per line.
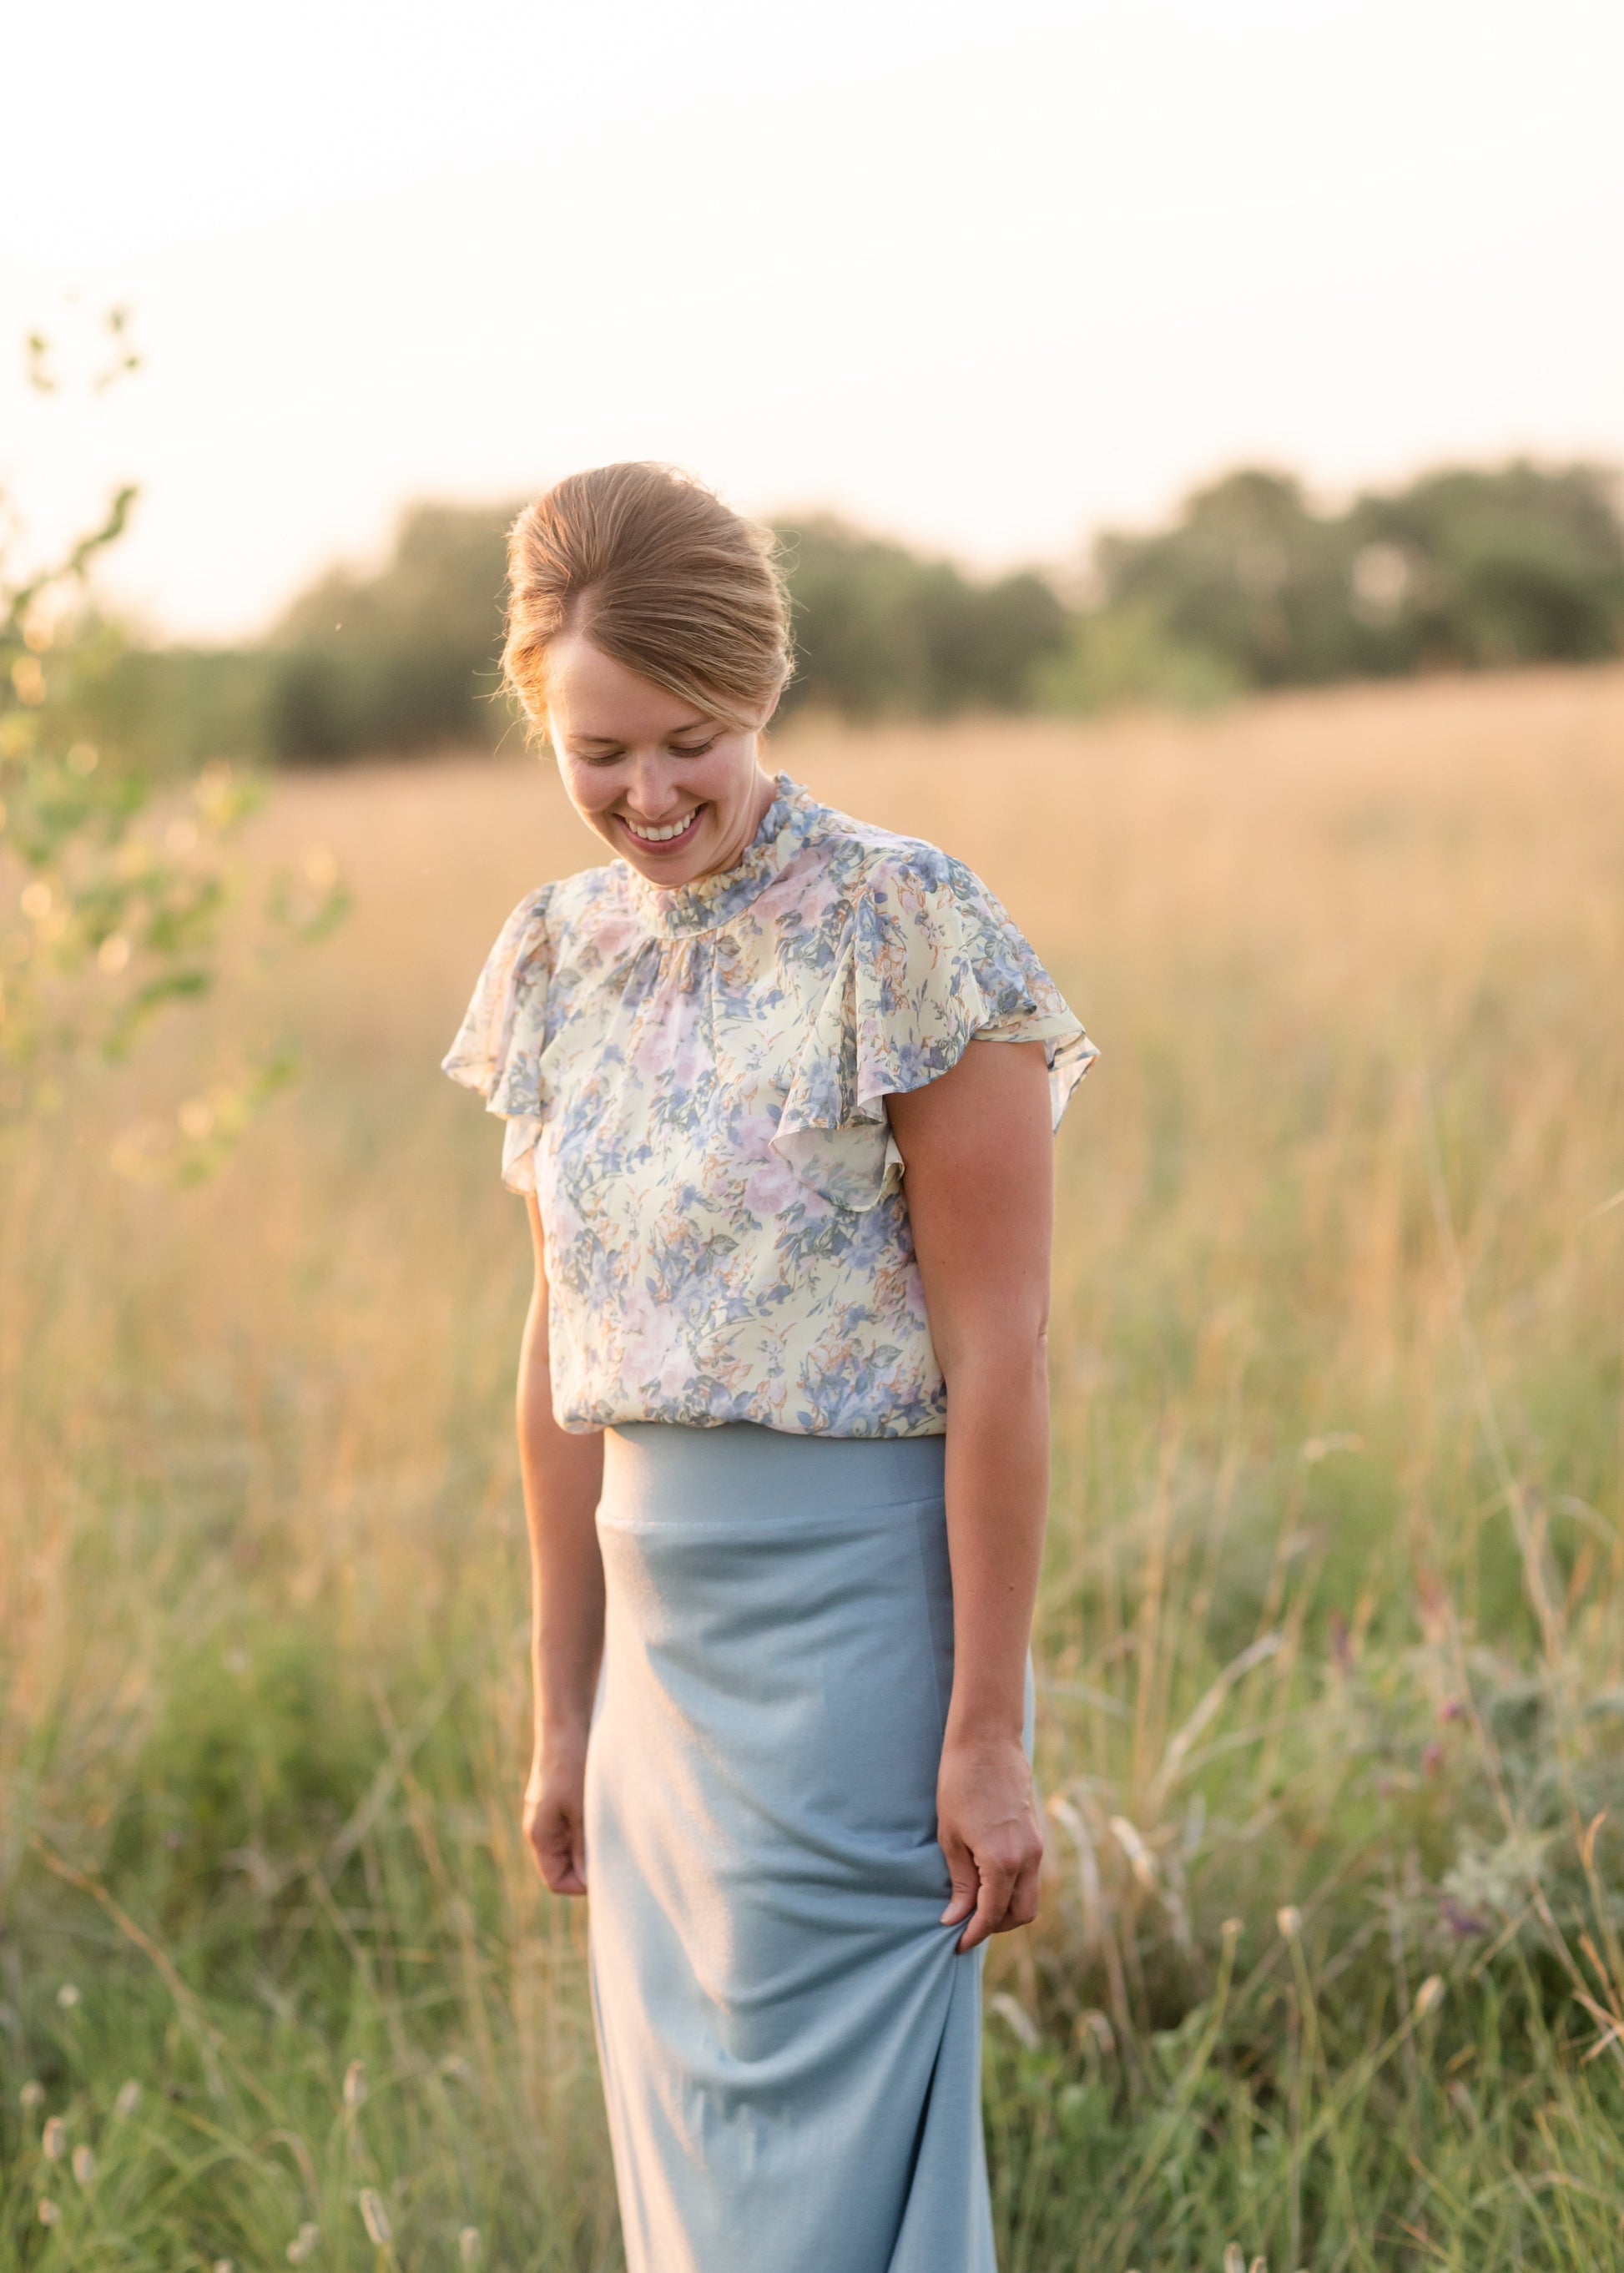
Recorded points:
665,838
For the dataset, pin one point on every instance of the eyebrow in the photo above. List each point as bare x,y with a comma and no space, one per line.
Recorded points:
617,741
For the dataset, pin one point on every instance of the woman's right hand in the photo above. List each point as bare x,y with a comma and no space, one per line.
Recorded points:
555,1817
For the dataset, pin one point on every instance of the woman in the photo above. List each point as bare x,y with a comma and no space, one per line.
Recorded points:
779,1089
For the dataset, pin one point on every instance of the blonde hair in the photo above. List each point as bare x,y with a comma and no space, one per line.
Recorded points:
657,572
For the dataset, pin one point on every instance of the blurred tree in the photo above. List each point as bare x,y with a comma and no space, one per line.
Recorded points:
1248,573
880,632
1250,587
404,660
1463,568
1476,567
1125,654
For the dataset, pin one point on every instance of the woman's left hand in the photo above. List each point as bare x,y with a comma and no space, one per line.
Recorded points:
986,1824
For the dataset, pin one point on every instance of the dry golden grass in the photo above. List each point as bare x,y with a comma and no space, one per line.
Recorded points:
1332,1611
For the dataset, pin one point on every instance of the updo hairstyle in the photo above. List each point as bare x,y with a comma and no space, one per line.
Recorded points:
655,571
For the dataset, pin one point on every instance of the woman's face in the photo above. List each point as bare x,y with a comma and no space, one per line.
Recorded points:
676,793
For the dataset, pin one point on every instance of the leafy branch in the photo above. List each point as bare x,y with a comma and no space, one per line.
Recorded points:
116,883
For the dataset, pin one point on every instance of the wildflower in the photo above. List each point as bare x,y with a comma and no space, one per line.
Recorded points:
375,2217
1459,1922
50,2215
67,1996
224,2265
85,2165
1430,1994
1233,2261
1289,1920
129,2098
32,2093
355,2084
54,2138
300,2247
467,2244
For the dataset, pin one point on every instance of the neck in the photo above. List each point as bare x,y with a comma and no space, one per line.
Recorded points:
755,814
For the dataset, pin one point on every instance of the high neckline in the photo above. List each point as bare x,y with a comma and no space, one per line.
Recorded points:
711,901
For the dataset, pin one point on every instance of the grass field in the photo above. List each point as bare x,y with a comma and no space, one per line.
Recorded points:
1331,1647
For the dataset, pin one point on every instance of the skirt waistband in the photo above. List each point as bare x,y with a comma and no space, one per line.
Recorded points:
692,1475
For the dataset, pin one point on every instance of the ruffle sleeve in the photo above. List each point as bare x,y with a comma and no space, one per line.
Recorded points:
928,963
499,1045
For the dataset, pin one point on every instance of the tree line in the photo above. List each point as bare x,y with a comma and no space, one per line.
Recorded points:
1249,585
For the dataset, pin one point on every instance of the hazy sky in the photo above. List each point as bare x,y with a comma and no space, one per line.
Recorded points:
986,276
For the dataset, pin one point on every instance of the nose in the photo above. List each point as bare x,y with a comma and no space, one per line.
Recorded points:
652,792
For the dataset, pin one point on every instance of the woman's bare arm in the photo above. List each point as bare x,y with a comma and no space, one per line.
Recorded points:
563,1474
979,1178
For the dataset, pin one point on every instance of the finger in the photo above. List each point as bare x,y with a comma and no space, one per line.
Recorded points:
991,1902
1023,1899
961,1869
553,1843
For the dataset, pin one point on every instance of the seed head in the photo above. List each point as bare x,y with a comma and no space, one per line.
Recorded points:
1289,1920
355,2084
54,2138
32,2093
1430,1994
375,2217
300,2247
85,2165
467,2244
128,2097
50,2215
67,1996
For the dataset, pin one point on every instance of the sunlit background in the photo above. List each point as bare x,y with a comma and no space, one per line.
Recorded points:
985,278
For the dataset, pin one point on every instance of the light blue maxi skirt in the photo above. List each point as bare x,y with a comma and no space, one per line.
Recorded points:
790,2043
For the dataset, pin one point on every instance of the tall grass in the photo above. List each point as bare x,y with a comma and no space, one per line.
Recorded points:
1329,1971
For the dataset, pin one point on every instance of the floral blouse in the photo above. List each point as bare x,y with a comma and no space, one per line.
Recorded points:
694,1081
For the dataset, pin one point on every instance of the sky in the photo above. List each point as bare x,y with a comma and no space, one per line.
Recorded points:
986,277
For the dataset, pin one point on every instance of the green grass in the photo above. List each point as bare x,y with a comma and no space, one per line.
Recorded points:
1331,1652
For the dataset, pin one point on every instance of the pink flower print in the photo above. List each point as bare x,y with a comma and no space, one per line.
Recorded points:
769,1185
691,1060
652,1341
617,933
672,1049
810,888
774,1186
